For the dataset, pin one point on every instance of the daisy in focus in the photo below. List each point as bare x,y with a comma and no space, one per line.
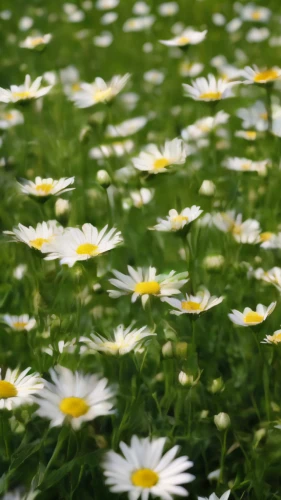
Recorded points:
272,339
46,187
36,42
74,397
17,388
188,37
143,470
124,340
19,323
176,221
90,94
143,282
209,89
243,232
250,317
10,118
25,92
155,161
81,244
193,304
36,237
256,75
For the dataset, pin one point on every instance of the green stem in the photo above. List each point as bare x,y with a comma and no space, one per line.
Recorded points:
268,89
223,451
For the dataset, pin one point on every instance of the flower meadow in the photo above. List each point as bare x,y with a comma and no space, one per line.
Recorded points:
140,250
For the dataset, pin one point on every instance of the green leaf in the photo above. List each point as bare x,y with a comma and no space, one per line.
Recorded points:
23,453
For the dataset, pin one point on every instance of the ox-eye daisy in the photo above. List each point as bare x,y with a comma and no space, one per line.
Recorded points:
275,338
143,282
36,237
24,92
213,496
155,161
246,165
17,388
272,276
250,317
243,232
46,187
99,91
188,37
143,470
74,397
10,118
19,323
123,341
255,13
36,42
256,75
193,304
211,89
81,244
176,221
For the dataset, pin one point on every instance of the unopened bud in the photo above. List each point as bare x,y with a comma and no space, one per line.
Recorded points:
167,350
216,385
207,188
181,349
85,134
103,178
222,421
61,207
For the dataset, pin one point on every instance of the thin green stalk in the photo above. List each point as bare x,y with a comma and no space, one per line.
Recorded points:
222,460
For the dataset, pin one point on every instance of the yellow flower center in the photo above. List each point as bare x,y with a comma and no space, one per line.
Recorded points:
75,87
251,134
178,220
102,95
264,116
246,166
74,407
7,390
183,40
8,116
19,325
211,96
204,128
38,242
266,236
161,163
25,94
189,305
276,338
147,287
236,229
87,249
266,76
253,317
256,15
44,188
144,478
37,41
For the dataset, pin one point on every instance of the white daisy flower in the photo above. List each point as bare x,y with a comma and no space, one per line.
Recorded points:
10,118
142,197
74,397
81,244
243,232
167,9
105,39
138,23
249,135
256,75
154,76
270,240
46,187
35,42
19,494
193,304
143,470
203,126
250,317
272,276
128,127
124,340
62,346
106,4
36,237
257,35
117,148
209,89
252,12
213,496
17,388
275,338
155,160
176,221
188,37
189,68
20,323
245,165
24,92
143,282
90,94
254,117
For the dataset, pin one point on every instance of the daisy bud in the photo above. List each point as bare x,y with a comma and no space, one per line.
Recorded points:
85,134
181,350
216,385
213,262
204,414
61,207
258,436
186,379
222,421
103,178
101,442
207,188
167,350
